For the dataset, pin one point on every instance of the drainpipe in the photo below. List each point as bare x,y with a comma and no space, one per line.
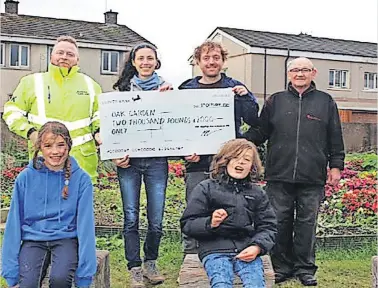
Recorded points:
286,60
265,68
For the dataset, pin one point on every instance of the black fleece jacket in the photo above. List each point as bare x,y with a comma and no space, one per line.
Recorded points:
251,219
304,136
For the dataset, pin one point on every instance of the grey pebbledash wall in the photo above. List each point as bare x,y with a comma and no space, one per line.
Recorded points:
359,137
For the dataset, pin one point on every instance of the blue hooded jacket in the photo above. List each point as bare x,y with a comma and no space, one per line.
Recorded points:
39,213
246,109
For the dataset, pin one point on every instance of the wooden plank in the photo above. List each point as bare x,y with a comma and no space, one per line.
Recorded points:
193,275
102,277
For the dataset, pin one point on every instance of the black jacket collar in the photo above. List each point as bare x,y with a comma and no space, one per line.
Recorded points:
308,90
239,183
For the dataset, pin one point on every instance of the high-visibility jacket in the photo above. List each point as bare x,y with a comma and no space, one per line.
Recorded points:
63,95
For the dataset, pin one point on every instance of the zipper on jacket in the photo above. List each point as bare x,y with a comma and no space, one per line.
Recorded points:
236,188
48,94
235,191
236,248
297,143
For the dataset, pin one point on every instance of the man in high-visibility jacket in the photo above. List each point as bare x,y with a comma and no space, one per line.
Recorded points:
61,94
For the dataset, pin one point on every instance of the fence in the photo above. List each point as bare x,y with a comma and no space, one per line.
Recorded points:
322,242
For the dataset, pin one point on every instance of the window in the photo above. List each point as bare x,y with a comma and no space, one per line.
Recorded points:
2,52
339,79
370,81
110,62
19,56
49,52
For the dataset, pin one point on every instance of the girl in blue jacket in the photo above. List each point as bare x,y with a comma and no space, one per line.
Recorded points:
51,218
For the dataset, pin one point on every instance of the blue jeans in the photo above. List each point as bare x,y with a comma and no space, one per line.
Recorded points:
220,269
154,172
35,258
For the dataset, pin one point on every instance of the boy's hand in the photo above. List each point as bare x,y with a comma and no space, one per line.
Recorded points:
249,254
218,217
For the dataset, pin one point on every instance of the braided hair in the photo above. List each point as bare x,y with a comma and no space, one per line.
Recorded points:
57,129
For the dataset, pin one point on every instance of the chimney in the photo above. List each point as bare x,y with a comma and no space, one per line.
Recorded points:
11,6
111,17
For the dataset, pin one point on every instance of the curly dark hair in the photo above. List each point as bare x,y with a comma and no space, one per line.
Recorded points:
128,72
208,46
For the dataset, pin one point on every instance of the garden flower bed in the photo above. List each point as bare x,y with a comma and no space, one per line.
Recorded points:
348,209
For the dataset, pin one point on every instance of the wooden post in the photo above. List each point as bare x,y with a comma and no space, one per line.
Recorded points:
192,274
374,271
102,277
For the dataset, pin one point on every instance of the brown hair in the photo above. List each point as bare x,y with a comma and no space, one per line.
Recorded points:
230,150
57,129
206,47
66,38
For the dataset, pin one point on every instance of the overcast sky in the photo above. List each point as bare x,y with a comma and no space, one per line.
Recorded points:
178,26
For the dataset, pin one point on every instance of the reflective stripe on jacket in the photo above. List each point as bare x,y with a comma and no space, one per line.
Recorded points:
62,95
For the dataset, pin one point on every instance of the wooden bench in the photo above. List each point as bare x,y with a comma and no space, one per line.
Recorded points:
192,274
102,278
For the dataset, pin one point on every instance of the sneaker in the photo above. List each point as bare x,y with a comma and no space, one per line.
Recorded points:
151,272
136,277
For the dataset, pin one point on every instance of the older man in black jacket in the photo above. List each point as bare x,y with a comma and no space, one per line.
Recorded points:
304,136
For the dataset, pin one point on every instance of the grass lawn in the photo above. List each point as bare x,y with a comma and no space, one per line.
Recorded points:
339,274
337,268
169,262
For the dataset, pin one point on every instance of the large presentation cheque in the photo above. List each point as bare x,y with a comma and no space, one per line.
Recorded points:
172,123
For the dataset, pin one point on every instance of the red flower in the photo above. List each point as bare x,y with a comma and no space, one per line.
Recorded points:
176,169
375,206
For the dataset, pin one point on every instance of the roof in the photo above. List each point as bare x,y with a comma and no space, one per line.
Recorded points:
52,28
302,42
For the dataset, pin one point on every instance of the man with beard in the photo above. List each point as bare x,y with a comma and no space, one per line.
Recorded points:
304,136
210,57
